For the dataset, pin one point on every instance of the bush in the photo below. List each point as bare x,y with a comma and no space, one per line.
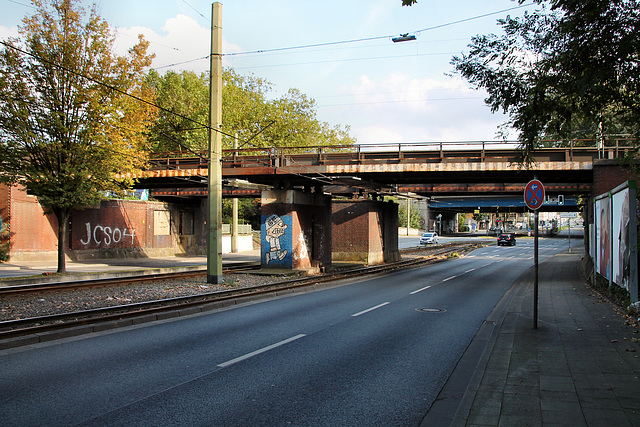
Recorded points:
4,241
615,293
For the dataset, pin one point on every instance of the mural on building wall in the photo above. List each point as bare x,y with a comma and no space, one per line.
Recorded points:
276,240
604,244
621,247
616,237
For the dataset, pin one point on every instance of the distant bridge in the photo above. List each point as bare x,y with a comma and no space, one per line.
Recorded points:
421,170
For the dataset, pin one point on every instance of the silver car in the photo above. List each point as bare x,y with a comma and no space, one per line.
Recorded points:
429,238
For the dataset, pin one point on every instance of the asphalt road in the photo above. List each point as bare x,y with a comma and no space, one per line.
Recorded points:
375,352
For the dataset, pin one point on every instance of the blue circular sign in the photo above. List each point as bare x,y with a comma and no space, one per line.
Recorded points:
534,194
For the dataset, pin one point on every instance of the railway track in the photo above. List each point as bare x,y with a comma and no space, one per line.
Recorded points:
58,286
40,329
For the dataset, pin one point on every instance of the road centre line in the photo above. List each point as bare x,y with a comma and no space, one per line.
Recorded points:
420,290
262,350
370,309
444,280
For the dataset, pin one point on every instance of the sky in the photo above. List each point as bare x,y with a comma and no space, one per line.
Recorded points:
387,93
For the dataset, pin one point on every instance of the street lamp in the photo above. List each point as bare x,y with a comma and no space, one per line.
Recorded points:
403,38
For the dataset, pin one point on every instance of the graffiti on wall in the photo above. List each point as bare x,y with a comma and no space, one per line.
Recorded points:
276,248
104,235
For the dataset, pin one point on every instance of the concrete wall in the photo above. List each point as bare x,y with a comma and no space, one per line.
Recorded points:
295,230
33,234
365,231
124,228
608,174
114,228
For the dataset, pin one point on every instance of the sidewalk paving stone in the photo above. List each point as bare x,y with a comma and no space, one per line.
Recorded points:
580,367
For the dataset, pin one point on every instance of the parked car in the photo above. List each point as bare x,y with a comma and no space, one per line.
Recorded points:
429,238
506,239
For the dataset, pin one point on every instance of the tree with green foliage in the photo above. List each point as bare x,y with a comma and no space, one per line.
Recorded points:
4,239
288,121
185,101
249,211
571,68
415,220
68,128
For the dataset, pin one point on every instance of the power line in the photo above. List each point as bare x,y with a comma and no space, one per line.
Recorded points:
373,58
183,62
401,102
197,11
137,98
22,4
374,38
120,32
474,18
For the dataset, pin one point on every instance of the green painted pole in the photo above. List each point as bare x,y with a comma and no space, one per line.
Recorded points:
214,223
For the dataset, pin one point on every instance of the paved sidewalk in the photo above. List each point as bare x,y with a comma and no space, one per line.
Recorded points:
581,367
20,269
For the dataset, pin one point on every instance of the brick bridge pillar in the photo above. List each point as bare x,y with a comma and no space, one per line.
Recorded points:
295,230
365,231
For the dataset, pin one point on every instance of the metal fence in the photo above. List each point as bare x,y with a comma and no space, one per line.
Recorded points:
242,229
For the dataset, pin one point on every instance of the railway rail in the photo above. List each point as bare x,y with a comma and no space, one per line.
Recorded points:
37,329
58,286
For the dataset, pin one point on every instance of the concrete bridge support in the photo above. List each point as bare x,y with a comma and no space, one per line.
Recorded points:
365,231
295,230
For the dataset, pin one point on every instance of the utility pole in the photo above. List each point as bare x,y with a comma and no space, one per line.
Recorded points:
408,215
214,223
234,214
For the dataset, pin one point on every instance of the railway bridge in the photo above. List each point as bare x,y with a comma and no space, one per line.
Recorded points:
315,192
426,170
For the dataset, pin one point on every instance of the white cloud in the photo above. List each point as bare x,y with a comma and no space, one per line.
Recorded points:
400,108
183,42
377,133
395,107
6,32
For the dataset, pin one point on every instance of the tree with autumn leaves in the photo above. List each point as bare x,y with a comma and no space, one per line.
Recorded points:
76,119
69,119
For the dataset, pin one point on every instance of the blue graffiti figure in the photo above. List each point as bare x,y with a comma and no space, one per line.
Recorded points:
275,229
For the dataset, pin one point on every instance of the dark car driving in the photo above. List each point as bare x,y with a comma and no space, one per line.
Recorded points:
506,239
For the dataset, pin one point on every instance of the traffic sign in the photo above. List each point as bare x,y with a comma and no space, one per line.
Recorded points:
534,194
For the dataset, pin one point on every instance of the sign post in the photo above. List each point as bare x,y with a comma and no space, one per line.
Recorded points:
569,215
534,198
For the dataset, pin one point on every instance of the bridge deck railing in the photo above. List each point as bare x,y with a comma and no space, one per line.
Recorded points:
462,151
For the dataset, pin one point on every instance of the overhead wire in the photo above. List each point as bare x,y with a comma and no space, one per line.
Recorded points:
115,89
246,53
22,4
183,62
131,96
197,11
400,102
308,46
346,60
